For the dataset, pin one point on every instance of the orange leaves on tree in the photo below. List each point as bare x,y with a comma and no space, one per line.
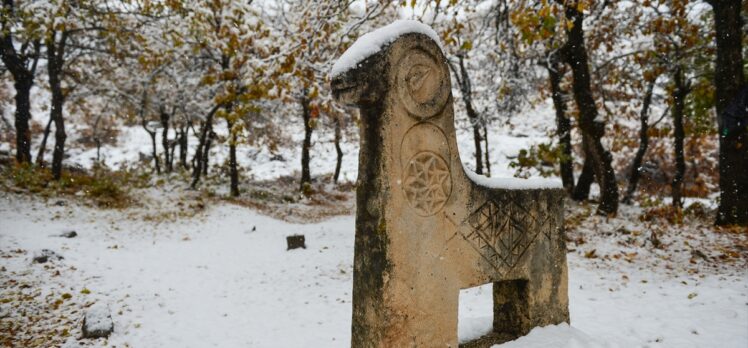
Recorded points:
534,23
288,64
313,110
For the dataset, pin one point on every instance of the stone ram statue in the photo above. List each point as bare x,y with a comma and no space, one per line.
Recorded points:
426,227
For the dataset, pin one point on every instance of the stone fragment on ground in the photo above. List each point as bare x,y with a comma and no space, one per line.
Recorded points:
296,241
44,255
97,322
68,234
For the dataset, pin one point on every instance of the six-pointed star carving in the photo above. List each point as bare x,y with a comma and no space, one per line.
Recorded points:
427,183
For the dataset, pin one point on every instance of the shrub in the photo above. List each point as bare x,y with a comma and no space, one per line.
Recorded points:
106,188
541,157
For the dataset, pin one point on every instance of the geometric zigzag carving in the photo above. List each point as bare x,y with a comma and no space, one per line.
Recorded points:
502,229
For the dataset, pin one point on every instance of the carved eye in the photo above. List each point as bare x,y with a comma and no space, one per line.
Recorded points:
417,76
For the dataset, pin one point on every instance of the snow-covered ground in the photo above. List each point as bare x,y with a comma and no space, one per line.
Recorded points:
223,278
215,274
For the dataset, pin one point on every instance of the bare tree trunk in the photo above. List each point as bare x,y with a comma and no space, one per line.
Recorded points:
206,137
563,127
733,141
97,140
183,147
199,160
306,177
23,115
643,143
43,145
592,128
98,150
206,150
728,75
478,151
154,151
586,178
486,153
234,172
172,149
60,136
463,80
55,61
338,150
165,116
198,153
23,79
679,104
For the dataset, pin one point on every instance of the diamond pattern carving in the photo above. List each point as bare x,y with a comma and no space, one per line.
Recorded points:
502,229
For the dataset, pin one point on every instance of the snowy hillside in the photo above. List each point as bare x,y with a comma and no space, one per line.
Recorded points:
155,157
223,278
220,276
214,274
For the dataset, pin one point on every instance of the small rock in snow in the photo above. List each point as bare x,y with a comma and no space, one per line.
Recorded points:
69,234
44,255
61,203
97,322
296,241
71,343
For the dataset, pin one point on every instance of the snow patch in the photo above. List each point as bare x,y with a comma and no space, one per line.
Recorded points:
371,43
475,313
512,183
560,336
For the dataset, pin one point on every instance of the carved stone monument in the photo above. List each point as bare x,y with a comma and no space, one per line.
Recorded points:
425,227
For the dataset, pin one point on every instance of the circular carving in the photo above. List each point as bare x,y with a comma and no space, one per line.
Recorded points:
422,84
427,183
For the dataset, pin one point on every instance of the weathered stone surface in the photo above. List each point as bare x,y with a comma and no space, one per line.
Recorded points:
424,229
97,322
